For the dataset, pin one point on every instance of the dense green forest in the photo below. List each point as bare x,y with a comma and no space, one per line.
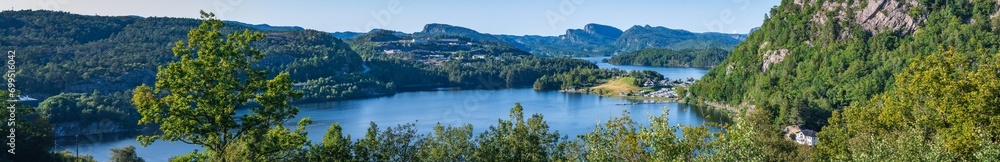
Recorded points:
880,80
703,58
81,54
88,109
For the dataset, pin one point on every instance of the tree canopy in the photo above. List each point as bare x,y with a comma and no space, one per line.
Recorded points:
195,98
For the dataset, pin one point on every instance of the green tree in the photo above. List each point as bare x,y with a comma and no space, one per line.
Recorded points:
196,98
617,140
33,133
517,139
125,154
366,149
276,144
392,144
335,146
942,107
447,144
741,142
66,155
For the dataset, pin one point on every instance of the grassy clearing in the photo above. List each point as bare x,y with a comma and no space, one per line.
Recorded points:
616,86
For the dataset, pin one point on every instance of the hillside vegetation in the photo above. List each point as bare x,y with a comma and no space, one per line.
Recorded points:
882,80
82,54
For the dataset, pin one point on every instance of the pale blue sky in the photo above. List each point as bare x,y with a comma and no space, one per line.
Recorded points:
517,17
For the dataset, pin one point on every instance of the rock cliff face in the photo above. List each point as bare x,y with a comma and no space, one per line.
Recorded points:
802,3
592,34
874,16
772,57
887,15
603,30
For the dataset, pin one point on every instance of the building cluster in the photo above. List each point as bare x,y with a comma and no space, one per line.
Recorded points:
662,93
666,89
433,50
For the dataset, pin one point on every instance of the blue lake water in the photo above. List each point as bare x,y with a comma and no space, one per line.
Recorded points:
672,73
569,114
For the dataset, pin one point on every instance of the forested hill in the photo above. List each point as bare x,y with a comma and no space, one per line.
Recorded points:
61,52
914,79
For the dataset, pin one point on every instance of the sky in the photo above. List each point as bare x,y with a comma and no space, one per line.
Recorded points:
514,17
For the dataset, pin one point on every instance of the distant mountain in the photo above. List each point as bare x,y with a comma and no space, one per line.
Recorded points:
642,37
346,35
592,34
379,36
603,30
431,46
445,29
593,39
265,27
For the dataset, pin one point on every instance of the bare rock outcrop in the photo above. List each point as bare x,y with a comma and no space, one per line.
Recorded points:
875,17
829,6
773,57
729,68
887,15
802,3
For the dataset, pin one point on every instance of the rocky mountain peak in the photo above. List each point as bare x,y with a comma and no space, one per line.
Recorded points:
445,28
603,30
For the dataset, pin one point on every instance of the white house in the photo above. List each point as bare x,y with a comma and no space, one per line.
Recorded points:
649,83
806,137
800,136
447,40
392,51
418,41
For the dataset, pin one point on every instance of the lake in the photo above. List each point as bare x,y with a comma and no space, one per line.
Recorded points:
569,114
672,73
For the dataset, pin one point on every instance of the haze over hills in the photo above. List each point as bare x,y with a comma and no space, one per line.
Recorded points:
593,39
